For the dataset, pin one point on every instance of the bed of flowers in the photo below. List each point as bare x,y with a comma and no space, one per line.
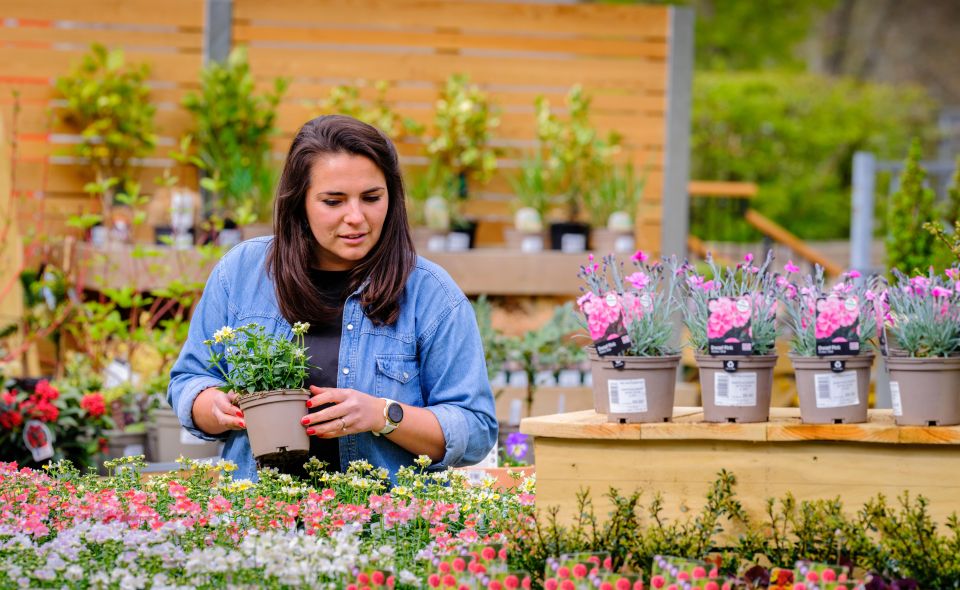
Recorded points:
199,528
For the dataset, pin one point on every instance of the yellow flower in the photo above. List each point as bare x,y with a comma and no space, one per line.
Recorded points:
225,333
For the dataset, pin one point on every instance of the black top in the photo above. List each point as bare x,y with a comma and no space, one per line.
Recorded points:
323,348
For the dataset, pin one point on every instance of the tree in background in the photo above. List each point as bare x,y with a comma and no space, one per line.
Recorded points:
909,247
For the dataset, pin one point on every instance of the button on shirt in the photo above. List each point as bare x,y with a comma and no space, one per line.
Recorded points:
431,357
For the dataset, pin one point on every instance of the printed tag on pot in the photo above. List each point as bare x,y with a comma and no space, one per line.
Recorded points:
837,326
606,316
735,389
836,390
627,396
895,398
38,439
728,326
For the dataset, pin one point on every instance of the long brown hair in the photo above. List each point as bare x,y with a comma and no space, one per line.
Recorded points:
293,250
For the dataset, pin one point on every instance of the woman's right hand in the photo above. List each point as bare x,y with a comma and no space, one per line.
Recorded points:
215,413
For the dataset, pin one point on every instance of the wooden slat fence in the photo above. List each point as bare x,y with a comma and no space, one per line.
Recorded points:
515,52
40,41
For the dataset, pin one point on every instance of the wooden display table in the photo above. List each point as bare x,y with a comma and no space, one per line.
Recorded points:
681,459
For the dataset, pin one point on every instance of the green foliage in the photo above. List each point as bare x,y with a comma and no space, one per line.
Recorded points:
620,189
458,141
345,100
951,211
494,343
531,185
233,129
108,103
576,155
909,248
795,136
251,360
898,541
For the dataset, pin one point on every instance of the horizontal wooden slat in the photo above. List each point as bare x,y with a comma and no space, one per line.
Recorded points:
613,101
187,13
606,20
70,178
441,40
50,63
637,75
190,41
35,119
704,188
44,94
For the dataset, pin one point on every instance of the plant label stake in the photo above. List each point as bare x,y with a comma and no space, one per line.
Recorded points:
37,438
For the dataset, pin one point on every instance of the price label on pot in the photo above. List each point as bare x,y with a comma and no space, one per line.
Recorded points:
735,389
895,398
836,390
627,396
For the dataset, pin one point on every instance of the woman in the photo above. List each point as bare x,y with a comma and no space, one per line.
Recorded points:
401,366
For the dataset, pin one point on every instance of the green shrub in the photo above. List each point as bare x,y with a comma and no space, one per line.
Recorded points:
795,136
909,248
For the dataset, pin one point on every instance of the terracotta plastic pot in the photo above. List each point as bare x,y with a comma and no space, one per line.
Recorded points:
744,395
925,391
273,422
632,389
605,241
524,241
829,397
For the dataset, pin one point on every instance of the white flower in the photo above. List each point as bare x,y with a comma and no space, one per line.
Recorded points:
225,333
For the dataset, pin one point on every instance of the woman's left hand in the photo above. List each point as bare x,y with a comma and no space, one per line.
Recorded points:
352,412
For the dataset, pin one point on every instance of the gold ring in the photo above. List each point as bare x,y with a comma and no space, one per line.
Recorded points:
343,424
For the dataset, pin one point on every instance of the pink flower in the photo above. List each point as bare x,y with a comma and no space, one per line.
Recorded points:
940,292
639,280
748,258
790,267
854,274
725,315
953,273
640,256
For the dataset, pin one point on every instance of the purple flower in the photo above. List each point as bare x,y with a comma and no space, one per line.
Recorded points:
517,445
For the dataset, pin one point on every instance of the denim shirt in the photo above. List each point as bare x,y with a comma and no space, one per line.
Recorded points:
432,357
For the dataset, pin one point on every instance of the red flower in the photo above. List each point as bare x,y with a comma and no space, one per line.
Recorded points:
10,419
45,391
93,404
9,398
41,410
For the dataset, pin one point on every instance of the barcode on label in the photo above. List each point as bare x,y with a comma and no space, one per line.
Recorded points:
822,386
614,388
723,386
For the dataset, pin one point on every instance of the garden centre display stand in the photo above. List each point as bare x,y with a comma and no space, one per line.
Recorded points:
681,459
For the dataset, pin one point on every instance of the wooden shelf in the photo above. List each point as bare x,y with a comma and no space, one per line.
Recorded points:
681,459
492,271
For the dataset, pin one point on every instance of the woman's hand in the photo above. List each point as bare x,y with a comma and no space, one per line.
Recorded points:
214,412
352,412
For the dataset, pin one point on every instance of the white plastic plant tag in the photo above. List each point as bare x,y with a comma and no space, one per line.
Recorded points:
516,411
627,396
623,244
895,398
117,373
38,439
836,390
573,243
437,244
569,378
737,390
531,244
561,403
188,439
458,241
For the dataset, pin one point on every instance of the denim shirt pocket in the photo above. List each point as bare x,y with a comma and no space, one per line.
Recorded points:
398,378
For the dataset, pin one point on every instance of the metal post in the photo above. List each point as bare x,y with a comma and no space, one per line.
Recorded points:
675,222
217,32
861,222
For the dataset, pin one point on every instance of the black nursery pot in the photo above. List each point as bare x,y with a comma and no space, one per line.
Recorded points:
468,227
558,230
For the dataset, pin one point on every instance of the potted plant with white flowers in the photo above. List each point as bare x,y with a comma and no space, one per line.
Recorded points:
267,373
628,316
922,316
832,350
731,315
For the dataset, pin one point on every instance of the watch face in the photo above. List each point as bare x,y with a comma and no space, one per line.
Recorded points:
395,413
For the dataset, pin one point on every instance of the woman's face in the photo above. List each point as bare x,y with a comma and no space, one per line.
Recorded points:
346,206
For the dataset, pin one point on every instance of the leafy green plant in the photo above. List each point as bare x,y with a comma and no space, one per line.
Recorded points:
950,239
459,139
251,360
494,343
108,103
531,185
345,100
576,155
233,129
619,190
912,206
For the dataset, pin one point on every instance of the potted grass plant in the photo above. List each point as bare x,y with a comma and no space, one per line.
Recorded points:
613,209
731,314
632,361
831,346
922,347
532,188
267,373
